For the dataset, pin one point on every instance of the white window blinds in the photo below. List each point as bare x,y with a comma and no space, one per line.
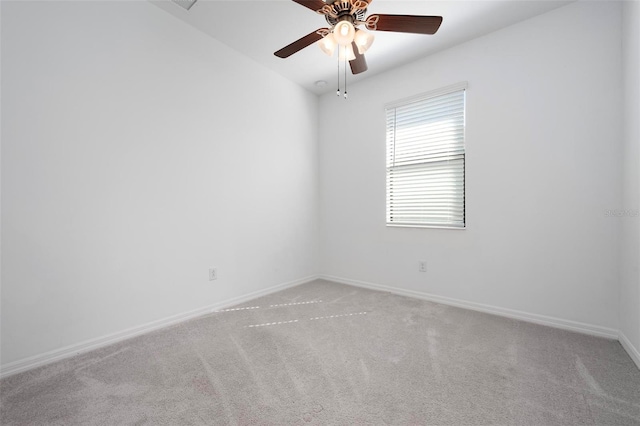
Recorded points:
426,159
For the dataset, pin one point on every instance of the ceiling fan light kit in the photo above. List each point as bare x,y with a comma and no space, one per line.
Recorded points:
343,33
328,44
346,53
363,40
344,18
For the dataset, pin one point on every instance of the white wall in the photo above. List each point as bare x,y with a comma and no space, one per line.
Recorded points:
136,153
543,165
132,160
630,237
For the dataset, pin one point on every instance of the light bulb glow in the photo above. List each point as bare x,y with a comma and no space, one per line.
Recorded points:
363,39
344,32
328,44
346,52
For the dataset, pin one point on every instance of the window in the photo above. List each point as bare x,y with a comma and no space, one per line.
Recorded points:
426,160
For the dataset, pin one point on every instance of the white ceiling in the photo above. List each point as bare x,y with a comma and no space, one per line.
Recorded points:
258,28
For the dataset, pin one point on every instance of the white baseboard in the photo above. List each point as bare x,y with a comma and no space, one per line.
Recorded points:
92,344
633,352
579,327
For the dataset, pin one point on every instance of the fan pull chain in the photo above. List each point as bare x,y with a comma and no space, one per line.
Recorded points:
338,91
345,72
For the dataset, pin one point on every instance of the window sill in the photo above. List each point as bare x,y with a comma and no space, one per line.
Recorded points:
396,225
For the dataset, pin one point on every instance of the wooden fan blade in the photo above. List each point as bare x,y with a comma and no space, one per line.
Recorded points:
359,64
299,44
407,23
314,5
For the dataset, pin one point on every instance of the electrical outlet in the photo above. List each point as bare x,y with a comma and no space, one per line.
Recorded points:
213,274
422,266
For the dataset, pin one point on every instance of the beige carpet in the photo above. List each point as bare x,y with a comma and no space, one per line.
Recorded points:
329,354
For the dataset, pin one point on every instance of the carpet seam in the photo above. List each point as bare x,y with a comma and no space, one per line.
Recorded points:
89,345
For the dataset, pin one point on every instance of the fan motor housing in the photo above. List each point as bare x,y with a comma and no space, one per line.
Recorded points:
342,10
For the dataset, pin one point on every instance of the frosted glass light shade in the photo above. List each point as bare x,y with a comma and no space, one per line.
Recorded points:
328,44
363,40
344,32
346,52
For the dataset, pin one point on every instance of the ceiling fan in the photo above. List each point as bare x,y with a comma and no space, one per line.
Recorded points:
344,17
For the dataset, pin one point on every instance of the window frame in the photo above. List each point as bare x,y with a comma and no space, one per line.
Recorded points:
462,86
